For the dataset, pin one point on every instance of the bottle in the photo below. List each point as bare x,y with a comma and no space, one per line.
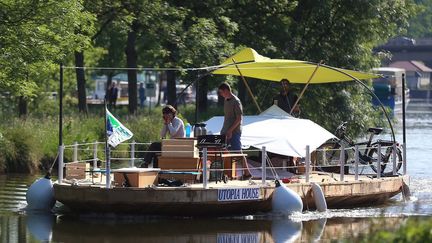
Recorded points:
188,130
203,129
197,130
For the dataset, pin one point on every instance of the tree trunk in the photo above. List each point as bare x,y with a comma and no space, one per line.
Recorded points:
81,82
202,96
131,60
22,107
171,88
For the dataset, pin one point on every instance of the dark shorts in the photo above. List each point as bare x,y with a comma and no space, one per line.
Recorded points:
234,143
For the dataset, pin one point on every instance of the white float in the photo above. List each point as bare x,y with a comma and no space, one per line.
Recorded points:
319,197
40,195
285,200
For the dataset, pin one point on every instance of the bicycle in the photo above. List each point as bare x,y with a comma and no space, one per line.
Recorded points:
331,151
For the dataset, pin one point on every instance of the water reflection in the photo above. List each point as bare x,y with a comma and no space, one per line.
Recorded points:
40,225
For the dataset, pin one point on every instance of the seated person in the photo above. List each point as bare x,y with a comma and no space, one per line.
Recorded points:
173,126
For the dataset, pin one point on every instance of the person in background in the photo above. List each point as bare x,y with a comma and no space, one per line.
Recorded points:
112,95
173,127
286,99
233,116
141,92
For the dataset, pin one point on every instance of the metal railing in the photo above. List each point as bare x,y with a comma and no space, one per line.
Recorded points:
89,152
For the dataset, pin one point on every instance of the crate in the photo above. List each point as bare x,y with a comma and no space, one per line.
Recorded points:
137,177
76,170
180,148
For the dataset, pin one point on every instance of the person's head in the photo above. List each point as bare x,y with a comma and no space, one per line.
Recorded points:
141,85
168,111
224,90
285,85
113,84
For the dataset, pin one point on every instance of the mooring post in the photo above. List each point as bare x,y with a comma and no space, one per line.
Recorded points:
204,164
404,159
394,158
60,163
379,162
307,163
132,161
95,155
75,152
356,162
264,165
342,162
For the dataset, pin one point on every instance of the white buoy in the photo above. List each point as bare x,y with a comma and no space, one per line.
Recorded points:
285,200
319,198
40,195
40,225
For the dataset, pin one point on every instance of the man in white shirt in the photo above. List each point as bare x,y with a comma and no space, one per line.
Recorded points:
173,126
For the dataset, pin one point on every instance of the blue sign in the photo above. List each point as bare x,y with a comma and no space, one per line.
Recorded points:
237,194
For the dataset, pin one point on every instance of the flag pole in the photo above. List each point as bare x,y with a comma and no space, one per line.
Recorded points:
107,152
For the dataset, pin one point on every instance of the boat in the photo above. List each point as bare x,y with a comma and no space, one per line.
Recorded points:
209,190
388,89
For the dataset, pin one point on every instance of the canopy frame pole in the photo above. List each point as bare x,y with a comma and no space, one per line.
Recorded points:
305,87
371,93
247,86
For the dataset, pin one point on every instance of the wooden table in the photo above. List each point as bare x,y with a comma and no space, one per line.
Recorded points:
230,167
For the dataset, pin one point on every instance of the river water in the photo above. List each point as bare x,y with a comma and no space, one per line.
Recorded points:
17,225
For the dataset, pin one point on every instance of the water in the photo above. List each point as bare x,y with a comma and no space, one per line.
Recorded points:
17,225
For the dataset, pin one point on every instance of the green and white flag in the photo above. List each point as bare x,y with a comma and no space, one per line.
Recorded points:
116,132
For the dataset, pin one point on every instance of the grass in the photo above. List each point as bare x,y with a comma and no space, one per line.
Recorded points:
30,145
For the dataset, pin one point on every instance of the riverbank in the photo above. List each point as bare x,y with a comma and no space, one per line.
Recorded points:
29,145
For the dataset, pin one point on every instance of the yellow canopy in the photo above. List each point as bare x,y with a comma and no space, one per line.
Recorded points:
252,64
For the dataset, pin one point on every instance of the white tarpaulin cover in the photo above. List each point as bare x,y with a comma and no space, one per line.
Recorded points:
278,131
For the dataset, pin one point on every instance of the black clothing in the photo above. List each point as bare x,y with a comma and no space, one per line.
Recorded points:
286,102
154,148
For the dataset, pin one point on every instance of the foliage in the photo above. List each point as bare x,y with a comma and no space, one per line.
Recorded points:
415,230
421,24
340,33
36,35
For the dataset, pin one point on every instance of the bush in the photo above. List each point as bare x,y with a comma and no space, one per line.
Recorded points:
415,230
30,145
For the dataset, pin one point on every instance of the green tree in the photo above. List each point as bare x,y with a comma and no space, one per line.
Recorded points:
36,35
420,25
341,33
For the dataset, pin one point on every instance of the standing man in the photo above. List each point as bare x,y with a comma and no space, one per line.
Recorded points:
233,112
142,96
112,95
286,99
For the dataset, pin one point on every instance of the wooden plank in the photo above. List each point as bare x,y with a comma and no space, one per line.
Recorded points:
183,151
170,163
185,142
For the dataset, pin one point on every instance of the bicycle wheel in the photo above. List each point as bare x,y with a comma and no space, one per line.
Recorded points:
328,155
386,160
